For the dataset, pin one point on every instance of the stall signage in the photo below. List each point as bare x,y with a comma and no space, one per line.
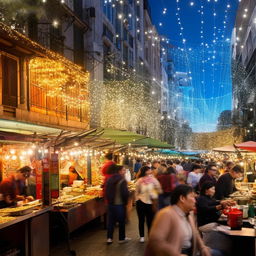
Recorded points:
39,179
54,170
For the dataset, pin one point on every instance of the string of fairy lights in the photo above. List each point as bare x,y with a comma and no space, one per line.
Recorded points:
213,55
205,96
244,92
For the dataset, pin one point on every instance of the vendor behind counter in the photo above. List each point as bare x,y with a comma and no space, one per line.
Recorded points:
13,188
226,182
73,174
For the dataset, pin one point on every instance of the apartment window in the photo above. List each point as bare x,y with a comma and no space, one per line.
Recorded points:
56,39
138,10
10,81
131,23
125,34
108,33
118,27
138,35
146,51
125,54
130,58
78,8
118,43
109,11
131,41
126,10
78,46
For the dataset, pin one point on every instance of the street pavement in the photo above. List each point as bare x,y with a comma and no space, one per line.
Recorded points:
91,241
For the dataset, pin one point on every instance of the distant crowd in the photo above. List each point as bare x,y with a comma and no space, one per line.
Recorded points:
178,200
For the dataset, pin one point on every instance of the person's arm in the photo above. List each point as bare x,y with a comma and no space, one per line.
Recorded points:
159,233
137,189
189,179
205,251
158,187
208,207
124,191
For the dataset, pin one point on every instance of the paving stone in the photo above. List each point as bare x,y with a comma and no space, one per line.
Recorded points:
91,241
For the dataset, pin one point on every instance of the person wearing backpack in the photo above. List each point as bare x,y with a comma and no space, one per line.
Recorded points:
116,195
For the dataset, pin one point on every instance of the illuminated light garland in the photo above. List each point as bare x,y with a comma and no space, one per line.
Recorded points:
219,34
54,79
125,105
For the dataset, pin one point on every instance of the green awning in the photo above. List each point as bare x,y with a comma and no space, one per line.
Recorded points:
124,138
151,143
121,137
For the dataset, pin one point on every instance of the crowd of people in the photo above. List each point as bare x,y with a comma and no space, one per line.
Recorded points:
178,200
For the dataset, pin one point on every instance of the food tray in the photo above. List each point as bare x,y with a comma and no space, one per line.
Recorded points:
18,211
6,219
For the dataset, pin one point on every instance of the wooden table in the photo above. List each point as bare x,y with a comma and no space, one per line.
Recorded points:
244,232
29,233
244,241
82,213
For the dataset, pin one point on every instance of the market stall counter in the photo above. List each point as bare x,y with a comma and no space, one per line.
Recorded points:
244,241
26,234
79,210
78,214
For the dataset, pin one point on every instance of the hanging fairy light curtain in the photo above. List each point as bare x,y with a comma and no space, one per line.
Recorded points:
58,90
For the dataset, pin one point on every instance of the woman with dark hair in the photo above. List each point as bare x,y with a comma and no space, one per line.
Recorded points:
73,175
147,190
208,213
208,208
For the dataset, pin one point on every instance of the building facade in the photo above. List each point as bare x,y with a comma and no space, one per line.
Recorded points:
43,80
243,68
115,41
124,46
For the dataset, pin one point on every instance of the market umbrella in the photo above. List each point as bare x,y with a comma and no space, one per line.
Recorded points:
248,145
225,149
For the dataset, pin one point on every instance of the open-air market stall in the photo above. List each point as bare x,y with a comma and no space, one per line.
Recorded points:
82,201
19,224
246,194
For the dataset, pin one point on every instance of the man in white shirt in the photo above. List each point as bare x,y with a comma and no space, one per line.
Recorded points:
178,167
194,176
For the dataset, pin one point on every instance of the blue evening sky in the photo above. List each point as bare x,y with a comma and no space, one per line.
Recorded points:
200,31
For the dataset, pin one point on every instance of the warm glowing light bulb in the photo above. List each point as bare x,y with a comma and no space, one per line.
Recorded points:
55,23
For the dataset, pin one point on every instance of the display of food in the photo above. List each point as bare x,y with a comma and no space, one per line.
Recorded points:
4,219
17,211
83,199
240,194
254,191
95,191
